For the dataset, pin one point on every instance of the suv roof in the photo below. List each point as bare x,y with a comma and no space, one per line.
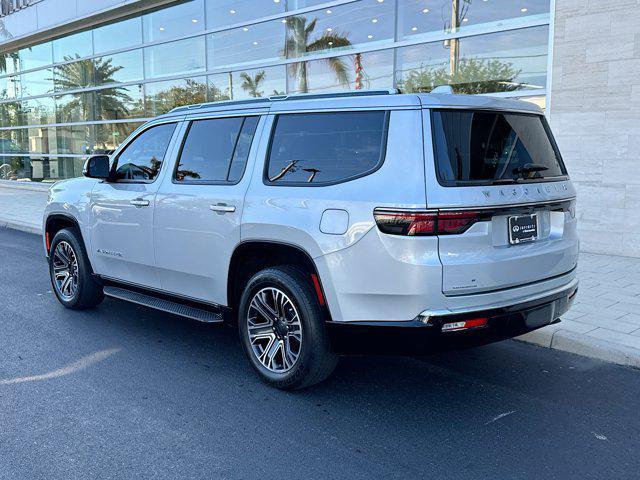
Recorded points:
359,99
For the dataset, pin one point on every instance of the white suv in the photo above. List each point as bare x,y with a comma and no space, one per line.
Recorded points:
325,224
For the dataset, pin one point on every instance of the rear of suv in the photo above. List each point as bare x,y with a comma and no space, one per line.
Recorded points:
325,224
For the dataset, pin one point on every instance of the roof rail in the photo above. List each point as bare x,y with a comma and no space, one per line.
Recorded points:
444,89
278,98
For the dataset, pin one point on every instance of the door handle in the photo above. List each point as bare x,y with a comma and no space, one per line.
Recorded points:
222,208
139,202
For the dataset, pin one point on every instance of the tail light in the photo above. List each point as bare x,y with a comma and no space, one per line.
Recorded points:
414,223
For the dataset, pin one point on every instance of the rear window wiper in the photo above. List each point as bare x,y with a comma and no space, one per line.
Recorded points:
530,168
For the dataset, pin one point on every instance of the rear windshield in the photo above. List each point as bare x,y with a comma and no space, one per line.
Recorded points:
474,147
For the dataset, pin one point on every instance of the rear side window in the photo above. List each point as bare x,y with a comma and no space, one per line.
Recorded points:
326,148
486,148
141,160
216,150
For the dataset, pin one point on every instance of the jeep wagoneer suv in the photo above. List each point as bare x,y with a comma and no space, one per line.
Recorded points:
324,224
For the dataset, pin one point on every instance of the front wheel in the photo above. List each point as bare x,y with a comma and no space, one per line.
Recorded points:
70,272
282,329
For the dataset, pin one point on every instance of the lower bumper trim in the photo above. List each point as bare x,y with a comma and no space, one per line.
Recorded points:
426,335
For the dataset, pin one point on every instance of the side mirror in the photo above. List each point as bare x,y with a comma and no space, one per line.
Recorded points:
97,167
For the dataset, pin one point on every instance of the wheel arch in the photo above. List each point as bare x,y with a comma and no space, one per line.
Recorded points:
251,256
56,222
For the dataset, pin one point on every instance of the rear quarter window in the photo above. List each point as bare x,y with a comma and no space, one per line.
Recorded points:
311,149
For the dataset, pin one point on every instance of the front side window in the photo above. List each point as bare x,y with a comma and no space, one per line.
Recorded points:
326,148
475,147
216,150
142,158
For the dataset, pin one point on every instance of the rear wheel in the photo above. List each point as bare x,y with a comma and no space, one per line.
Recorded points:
282,329
70,272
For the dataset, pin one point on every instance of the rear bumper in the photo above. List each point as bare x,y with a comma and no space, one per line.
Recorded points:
424,334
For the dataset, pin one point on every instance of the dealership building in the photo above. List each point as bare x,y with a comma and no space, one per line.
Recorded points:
77,76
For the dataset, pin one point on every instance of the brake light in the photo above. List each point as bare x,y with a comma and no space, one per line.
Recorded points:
395,222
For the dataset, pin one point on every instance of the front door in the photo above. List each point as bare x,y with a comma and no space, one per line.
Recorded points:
121,210
199,208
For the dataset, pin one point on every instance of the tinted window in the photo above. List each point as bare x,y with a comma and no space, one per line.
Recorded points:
216,150
322,148
141,159
480,148
239,160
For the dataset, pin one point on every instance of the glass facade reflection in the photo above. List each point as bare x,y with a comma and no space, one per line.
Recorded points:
82,94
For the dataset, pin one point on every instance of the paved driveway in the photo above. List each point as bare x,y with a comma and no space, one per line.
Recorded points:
126,392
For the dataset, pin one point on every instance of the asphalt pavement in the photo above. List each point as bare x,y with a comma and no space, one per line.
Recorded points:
123,391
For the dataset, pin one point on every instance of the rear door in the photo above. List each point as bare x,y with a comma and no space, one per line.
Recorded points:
506,205
199,206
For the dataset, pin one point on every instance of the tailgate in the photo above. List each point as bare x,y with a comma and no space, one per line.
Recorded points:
499,177
485,258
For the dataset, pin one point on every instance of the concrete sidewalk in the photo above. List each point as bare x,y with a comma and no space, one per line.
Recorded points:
604,322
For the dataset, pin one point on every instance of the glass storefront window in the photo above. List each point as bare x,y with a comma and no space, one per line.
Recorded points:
119,68
118,103
14,141
181,57
9,87
73,46
346,27
38,82
76,107
257,48
9,62
73,139
71,76
114,36
498,62
260,82
221,13
424,18
260,42
36,56
160,97
39,111
220,87
11,114
109,136
348,72
174,22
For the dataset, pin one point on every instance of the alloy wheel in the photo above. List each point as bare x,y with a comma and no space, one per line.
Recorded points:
65,270
275,330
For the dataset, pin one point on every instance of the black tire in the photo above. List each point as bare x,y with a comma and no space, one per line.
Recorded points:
88,292
315,361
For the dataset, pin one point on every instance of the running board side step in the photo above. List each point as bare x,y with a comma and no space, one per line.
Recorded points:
164,305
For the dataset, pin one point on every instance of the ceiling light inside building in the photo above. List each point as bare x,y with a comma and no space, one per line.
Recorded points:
374,20
425,10
329,12
232,11
369,37
413,29
245,29
194,20
524,10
